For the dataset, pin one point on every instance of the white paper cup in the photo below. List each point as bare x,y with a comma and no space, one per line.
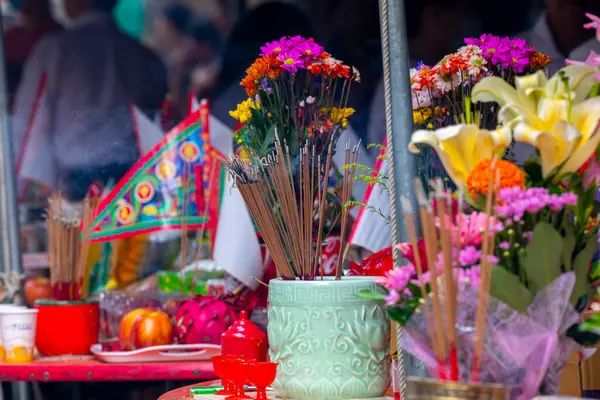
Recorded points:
17,332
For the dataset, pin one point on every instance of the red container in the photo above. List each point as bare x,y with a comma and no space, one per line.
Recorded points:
66,327
244,339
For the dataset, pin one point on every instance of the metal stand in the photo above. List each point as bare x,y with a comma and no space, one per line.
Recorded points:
9,223
399,126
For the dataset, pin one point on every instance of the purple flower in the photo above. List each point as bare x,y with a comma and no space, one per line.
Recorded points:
504,245
274,48
469,256
291,60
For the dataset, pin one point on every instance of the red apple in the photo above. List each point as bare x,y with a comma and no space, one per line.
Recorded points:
37,288
145,327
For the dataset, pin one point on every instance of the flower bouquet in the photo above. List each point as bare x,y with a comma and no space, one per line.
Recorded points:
441,95
328,343
508,277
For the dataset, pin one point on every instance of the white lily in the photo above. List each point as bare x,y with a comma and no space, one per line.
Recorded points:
551,114
462,147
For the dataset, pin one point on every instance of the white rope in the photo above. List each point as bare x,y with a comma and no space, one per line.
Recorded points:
385,45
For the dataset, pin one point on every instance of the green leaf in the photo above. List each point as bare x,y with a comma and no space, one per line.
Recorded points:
581,267
415,290
542,261
534,170
507,288
268,141
583,337
568,246
371,295
400,315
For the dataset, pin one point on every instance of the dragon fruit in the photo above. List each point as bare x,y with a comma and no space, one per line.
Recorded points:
203,320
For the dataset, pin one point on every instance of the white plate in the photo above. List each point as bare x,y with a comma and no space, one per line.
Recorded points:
173,352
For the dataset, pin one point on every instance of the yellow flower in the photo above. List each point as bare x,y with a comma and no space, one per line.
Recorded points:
340,115
551,114
462,147
421,115
242,112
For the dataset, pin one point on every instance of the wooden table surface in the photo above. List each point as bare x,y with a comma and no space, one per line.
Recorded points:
89,369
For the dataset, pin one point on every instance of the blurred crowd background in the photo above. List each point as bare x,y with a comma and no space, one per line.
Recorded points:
206,45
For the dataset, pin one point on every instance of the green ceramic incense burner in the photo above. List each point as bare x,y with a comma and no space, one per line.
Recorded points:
329,343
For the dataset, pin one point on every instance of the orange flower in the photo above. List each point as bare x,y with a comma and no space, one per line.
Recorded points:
324,55
272,60
479,179
539,60
249,84
258,69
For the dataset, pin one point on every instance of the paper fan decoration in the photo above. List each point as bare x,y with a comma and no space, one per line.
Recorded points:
178,182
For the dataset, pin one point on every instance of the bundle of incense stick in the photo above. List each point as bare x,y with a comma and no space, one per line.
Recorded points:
443,335
69,232
285,211
441,321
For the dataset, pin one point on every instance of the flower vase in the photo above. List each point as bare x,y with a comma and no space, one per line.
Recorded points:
329,343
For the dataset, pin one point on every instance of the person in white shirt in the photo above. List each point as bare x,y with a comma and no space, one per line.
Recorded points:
80,84
559,31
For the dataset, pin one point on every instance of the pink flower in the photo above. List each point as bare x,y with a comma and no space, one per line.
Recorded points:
468,275
595,24
392,298
592,61
472,227
592,174
469,256
398,278
274,48
409,254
